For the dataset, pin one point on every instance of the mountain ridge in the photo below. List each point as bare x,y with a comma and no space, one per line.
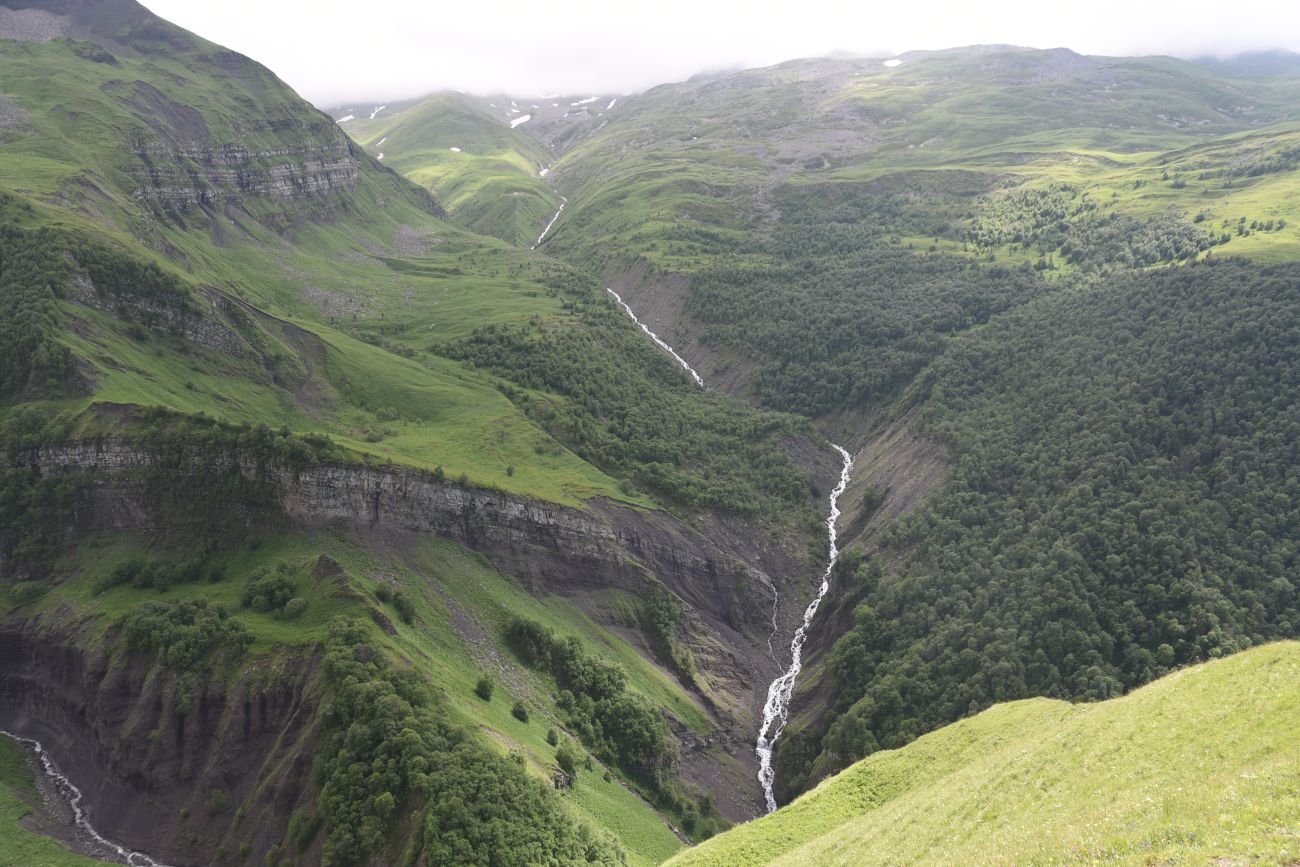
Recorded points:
278,416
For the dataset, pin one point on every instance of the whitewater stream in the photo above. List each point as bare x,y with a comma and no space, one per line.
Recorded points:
776,710
70,798
541,237
699,380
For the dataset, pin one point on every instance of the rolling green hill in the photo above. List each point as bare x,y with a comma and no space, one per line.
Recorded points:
709,156
485,172
1199,767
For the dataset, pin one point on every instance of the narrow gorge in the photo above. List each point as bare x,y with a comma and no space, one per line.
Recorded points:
776,709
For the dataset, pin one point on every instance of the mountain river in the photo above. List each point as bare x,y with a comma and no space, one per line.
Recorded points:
776,710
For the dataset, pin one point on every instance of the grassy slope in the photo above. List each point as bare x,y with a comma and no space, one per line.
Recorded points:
489,184
21,847
339,278
441,578
702,155
1200,765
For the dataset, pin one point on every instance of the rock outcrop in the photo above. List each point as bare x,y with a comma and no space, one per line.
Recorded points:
114,724
549,548
161,780
196,175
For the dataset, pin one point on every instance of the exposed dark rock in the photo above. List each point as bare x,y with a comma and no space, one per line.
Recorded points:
149,771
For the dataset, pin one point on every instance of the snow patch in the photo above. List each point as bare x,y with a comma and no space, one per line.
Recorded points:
346,118
611,103
381,156
892,63
514,122
454,150
586,101
377,111
543,172
381,141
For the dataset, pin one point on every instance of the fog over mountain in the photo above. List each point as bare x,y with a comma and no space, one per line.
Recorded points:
333,51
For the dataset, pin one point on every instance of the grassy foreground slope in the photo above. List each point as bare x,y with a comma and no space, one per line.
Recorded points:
1199,766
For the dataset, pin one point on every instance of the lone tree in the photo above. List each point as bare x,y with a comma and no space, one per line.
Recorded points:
567,758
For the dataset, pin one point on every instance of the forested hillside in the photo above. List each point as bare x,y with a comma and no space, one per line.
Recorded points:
1125,500
346,519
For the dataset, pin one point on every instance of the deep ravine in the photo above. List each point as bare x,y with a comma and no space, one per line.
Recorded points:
95,843
776,710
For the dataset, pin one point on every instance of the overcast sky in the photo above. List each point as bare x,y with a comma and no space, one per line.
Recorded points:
340,50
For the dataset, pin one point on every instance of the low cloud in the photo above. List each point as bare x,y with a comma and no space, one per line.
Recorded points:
333,51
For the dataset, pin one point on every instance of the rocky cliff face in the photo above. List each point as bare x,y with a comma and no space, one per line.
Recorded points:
195,175
159,780
549,548
209,323
113,724
536,541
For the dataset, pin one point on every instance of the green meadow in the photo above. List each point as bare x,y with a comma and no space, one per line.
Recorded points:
1199,767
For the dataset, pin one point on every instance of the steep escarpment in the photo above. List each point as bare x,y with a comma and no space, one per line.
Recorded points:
129,487
197,175
200,781
539,542
167,121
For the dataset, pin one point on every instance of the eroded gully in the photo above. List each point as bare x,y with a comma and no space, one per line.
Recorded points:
69,797
776,710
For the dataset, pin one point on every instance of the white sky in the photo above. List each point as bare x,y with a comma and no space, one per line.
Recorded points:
339,50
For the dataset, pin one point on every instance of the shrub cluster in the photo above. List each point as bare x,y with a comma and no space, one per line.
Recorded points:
390,751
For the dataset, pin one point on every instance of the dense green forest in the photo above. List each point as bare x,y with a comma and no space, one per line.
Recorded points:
1126,499
32,276
630,410
390,746
844,314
